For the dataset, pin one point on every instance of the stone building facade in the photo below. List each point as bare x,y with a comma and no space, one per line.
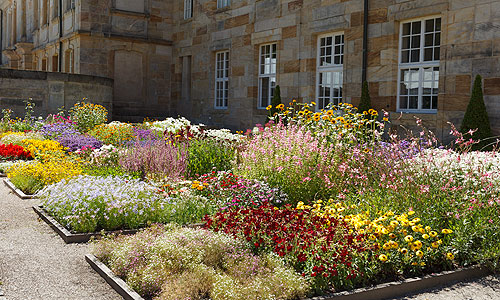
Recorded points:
218,61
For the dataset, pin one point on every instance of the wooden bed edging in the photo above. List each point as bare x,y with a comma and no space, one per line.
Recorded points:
17,191
70,237
115,282
378,292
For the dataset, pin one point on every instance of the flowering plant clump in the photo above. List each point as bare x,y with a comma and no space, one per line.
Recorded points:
116,134
181,263
40,174
155,159
88,115
227,189
16,138
289,157
402,243
77,142
44,149
342,120
55,130
326,251
88,204
13,152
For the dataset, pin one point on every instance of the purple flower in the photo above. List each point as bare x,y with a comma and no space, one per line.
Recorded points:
76,142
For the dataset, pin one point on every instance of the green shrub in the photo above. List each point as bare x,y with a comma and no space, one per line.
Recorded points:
88,115
275,101
28,184
207,155
476,117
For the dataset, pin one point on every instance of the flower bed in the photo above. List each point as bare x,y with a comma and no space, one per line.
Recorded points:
326,194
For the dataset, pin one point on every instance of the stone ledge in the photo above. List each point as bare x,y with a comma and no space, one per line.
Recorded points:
54,76
70,237
17,191
378,292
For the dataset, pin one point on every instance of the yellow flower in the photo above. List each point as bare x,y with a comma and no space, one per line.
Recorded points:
419,253
372,237
408,238
385,119
386,246
392,235
425,236
446,231
435,244
269,107
433,234
411,212
280,106
383,257
450,256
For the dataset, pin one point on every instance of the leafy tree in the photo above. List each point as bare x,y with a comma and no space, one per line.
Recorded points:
476,116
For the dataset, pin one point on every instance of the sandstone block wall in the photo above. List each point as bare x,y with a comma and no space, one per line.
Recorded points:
51,91
469,46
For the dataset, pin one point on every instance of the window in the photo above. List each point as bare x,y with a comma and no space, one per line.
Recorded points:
221,79
44,64
69,61
418,88
188,9
223,3
329,77
45,12
267,74
69,5
55,63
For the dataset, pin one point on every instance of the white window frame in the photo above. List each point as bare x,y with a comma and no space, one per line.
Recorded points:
271,75
221,79
223,3
421,65
337,70
188,9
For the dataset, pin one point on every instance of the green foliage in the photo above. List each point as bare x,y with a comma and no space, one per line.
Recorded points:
88,115
365,104
28,184
275,101
476,116
206,155
109,170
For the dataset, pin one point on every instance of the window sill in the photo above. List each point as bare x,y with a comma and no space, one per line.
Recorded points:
186,21
223,9
119,12
422,112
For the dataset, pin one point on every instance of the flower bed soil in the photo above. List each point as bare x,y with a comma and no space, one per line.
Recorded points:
381,291
70,237
17,191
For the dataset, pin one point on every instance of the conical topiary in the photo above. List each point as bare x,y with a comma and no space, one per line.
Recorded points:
365,104
276,100
476,116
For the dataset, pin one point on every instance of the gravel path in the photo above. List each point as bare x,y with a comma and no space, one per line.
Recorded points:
487,288
35,263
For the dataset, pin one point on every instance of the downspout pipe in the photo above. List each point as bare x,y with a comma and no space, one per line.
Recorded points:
365,42
60,34
1,36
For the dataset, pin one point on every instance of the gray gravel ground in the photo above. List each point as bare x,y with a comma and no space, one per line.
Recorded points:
487,288
35,263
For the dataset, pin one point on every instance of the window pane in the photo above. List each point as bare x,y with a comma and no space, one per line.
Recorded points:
429,54
415,55
416,27
264,91
406,43
403,102
429,25
405,56
406,28
426,102
413,102
438,24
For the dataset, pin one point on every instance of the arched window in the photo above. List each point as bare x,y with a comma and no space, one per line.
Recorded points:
69,58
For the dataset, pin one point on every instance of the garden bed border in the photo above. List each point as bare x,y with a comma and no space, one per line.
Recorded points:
379,292
70,237
114,281
17,191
